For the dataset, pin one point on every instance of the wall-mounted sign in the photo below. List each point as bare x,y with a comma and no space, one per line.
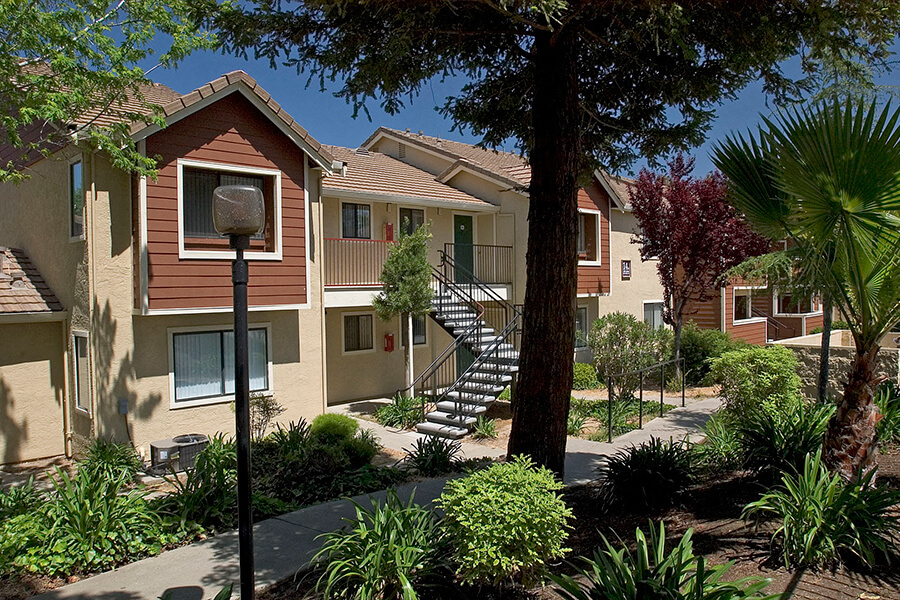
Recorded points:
626,269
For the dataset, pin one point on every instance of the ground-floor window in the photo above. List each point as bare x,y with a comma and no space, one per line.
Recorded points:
653,315
743,304
82,371
418,330
203,363
581,327
358,333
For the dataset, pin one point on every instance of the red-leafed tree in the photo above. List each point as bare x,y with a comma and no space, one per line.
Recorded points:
688,225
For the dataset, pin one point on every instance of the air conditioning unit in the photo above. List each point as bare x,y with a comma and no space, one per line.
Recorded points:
178,453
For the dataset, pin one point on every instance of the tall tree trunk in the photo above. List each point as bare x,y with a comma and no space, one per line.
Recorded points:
850,447
825,352
409,351
545,376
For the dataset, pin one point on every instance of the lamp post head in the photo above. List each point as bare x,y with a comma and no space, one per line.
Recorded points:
238,210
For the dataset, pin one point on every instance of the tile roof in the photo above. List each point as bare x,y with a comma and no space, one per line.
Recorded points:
22,289
621,186
377,173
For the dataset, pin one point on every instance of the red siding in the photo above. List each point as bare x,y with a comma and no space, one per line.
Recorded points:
813,322
753,332
595,279
231,131
706,314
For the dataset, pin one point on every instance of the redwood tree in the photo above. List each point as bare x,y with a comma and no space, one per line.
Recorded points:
579,84
692,231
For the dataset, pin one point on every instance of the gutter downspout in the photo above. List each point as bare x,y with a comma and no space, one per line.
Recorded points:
66,407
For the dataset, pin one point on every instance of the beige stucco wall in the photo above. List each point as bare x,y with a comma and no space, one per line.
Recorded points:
628,295
32,387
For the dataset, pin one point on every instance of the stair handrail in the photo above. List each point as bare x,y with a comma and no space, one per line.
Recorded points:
448,261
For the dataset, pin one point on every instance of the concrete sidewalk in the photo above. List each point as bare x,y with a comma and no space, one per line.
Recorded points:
284,544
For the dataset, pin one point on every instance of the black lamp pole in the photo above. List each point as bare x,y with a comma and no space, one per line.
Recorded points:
239,278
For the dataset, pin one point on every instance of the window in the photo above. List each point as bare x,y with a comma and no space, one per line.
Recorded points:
197,198
203,363
743,304
82,364
787,305
587,237
581,327
653,315
411,219
358,334
356,221
76,201
418,330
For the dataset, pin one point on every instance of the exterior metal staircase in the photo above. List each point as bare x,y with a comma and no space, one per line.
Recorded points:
481,361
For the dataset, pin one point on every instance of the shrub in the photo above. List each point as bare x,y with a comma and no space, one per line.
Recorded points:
781,441
505,395
822,518
392,551
835,325
431,456
485,429
700,346
622,343
652,573
404,412
264,408
757,379
575,423
333,427
361,448
646,477
585,377
505,521
109,460
20,500
722,449
888,402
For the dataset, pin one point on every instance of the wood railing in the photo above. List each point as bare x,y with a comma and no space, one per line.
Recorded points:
353,262
490,264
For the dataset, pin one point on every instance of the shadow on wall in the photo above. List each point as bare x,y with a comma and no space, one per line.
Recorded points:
115,382
14,434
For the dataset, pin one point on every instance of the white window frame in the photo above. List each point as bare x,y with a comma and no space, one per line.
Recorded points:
228,254
776,297
734,294
411,207
171,331
596,214
76,396
371,220
644,304
344,350
78,159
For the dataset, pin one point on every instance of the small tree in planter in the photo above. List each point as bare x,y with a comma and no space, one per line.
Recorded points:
620,344
407,292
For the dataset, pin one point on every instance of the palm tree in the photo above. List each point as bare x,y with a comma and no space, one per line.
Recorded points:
828,177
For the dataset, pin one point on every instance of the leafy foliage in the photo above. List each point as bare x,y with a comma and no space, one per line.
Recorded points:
391,551
646,477
888,402
575,423
264,409
431,456
20,500
823,519
757,380
333,428
485,429
107,459
585,377
723,448
651,572
505,522
621,344
780,441
404,412
700,346
835,326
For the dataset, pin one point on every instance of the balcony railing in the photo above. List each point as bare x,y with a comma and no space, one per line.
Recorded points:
352,262
490,264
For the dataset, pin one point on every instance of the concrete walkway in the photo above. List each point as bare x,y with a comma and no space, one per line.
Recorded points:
284,544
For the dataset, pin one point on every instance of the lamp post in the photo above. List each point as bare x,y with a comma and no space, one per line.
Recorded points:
239,212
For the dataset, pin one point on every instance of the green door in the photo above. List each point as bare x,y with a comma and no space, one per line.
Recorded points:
463,252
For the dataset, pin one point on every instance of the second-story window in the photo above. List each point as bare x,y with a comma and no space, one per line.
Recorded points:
587,237
197,193
411,219
356,221
743,304
76,201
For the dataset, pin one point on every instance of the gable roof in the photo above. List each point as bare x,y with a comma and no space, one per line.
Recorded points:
375,174
22,289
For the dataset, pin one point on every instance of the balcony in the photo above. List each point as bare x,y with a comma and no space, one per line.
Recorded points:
492,265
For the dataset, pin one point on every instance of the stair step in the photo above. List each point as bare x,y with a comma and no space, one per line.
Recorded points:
445,431
490,377
469,398
479,387
450,418
462,408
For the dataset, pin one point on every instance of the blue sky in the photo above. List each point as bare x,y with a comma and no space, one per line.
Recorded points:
329,120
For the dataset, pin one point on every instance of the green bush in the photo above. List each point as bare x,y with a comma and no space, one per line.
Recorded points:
505,522
700,346
431,456
404,412
652,573
107,459
621,343
20,500
835,325
722,450
888,402
333,428
823,519
585,377
781,441
505,395
757,379
390,551
647,477
575,423
485,429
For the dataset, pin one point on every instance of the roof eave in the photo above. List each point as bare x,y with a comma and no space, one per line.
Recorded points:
416,200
